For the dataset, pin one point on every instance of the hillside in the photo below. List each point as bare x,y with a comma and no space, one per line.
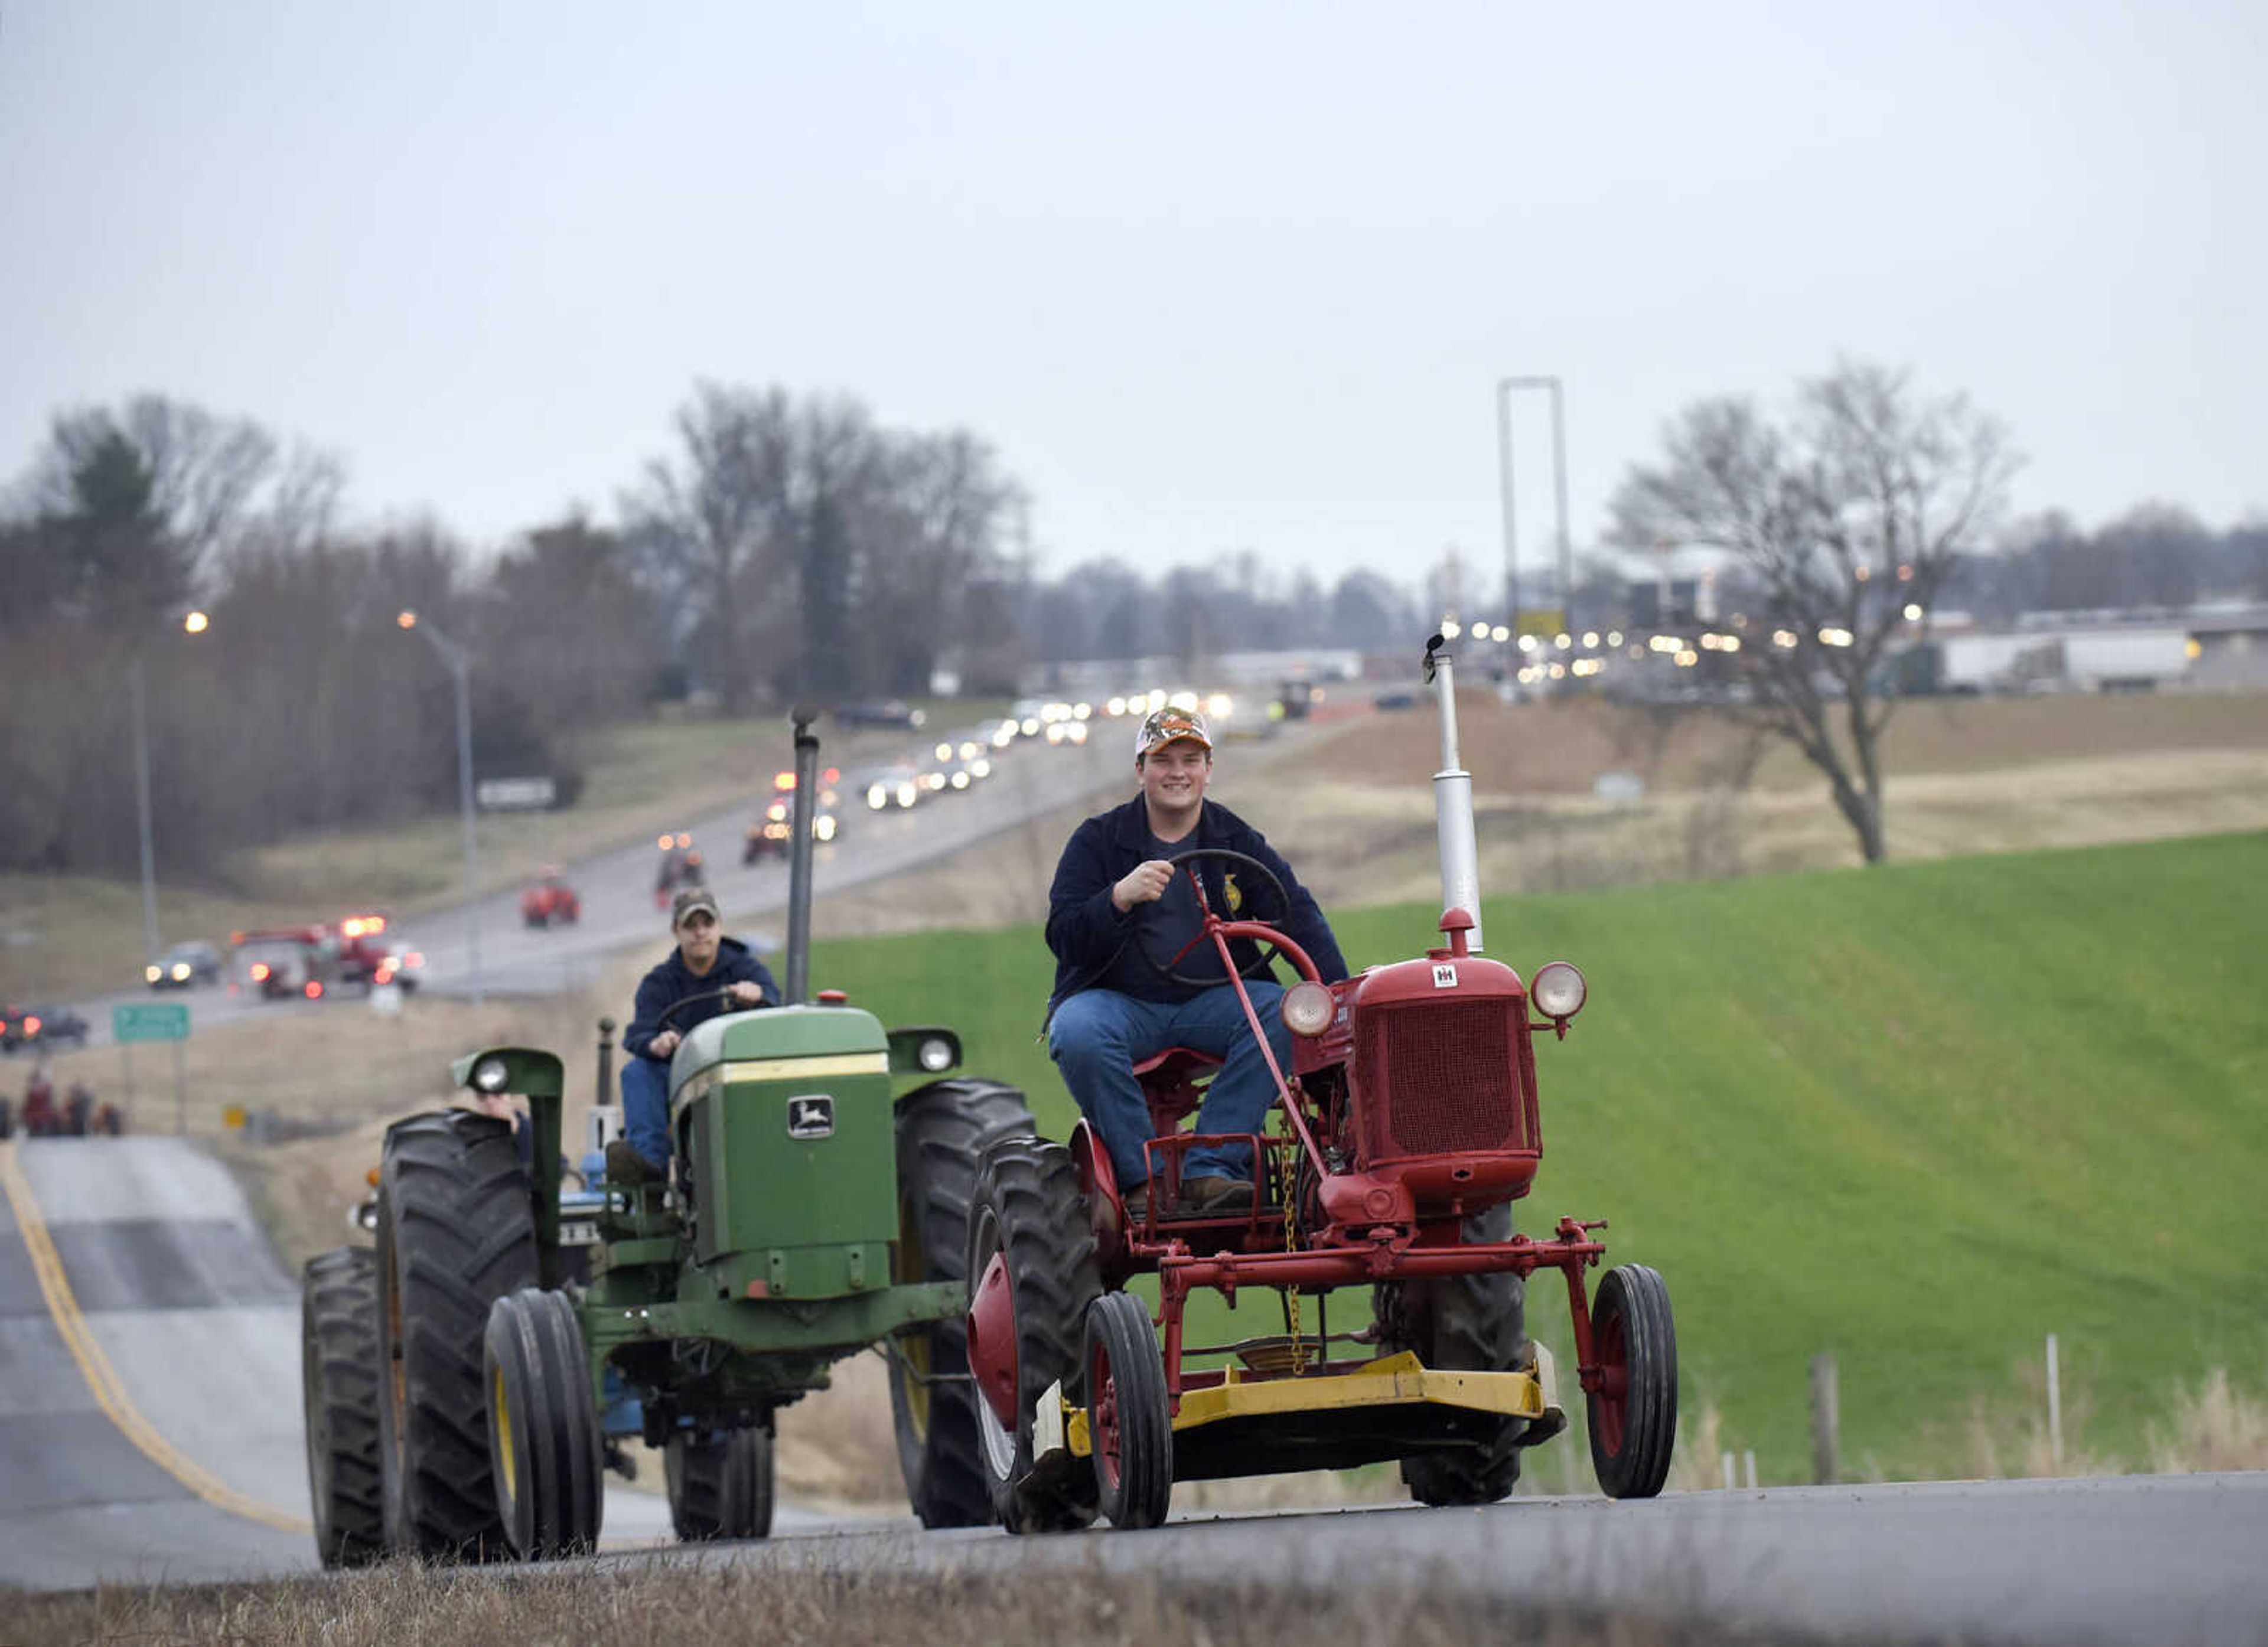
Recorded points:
1918,1116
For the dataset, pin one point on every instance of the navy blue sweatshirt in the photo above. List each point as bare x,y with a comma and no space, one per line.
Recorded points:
1093,943
673,980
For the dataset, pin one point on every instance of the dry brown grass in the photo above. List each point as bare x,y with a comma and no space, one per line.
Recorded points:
2215,1425
808,1594
1560,747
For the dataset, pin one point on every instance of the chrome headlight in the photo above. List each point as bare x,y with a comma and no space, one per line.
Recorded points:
1308,1007
1558,989
489,1075
935,1054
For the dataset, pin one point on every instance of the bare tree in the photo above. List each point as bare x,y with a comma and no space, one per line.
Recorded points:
709,526
1846,512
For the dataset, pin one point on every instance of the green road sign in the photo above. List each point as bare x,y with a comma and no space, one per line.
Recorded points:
151,1020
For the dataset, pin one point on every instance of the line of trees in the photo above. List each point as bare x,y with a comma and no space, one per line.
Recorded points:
788,549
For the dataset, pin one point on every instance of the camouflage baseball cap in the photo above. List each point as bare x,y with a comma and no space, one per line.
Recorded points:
1164,726
695,899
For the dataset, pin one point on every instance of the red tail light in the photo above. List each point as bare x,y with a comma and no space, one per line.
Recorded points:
314,990
32,1024
260,971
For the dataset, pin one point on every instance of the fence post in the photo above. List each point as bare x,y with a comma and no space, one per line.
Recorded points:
2055,1411
1826,1423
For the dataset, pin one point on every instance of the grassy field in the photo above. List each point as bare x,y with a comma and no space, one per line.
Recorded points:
1917,1118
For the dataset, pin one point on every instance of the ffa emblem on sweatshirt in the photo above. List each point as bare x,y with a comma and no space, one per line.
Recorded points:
1233,893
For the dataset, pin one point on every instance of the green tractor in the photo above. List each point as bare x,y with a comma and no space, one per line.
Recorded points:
465,1379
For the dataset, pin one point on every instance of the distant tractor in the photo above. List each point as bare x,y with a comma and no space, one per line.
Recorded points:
680,866
1408,1128
464,1379
549,900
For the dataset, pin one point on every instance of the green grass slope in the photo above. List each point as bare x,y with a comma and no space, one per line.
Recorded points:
1917,1116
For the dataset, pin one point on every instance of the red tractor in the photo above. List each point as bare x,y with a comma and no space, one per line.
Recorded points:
1405,1129
549,901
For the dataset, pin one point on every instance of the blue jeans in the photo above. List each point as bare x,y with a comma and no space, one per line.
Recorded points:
1098,1036
645,1107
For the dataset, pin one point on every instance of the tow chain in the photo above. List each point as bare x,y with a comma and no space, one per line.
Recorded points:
1291,1295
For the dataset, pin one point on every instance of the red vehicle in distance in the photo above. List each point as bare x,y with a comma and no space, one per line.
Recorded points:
550,902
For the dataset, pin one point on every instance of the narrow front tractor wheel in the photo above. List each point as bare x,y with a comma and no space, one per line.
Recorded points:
544,1448
943,1131
1032,1273
1130,1417
456,1231
1465,1324
720,1484
338,1376
1633,1414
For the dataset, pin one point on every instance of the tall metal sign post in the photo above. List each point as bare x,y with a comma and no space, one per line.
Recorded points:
1504,388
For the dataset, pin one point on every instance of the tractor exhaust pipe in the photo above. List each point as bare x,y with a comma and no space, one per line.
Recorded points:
1453,801
796,988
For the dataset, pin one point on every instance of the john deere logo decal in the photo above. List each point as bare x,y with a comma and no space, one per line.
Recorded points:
811,1117
1232,892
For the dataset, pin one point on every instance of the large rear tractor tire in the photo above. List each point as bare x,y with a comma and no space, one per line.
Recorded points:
456,1231
544,1449
1130,1417
943,1131
1030,1223
720,1485
338,1377
1633,1415
1466,1324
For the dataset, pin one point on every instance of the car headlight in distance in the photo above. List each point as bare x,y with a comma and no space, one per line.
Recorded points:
489,1075
935,1054
152,973
181,971
878,797
1558,989
1308,1007
823,827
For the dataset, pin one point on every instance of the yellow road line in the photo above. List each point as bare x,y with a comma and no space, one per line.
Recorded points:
102,1378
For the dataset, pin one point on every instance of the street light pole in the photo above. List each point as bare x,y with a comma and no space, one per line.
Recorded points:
192,623
461,667
1504,388
142,801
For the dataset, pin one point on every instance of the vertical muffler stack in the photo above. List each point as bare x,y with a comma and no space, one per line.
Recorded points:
1453,801
805,803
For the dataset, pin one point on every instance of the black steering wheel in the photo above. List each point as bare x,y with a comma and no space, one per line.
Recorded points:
675,1007
1169,967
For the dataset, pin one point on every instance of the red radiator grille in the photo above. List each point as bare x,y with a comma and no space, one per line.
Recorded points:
1441,1077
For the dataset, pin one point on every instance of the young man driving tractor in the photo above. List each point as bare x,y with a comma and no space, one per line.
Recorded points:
1123,920
707,973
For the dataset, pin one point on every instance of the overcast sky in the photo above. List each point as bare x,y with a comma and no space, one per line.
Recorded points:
1211,278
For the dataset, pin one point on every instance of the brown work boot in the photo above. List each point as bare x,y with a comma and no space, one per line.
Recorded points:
627,1167
1210,1195
1137,1202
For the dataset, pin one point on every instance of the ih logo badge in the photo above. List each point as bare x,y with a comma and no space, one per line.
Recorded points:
811,1117
1445,976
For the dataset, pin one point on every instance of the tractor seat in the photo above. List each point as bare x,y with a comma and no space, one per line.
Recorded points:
1170,1084
1176,1063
